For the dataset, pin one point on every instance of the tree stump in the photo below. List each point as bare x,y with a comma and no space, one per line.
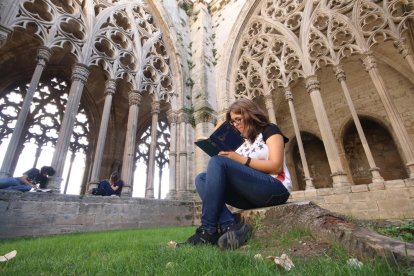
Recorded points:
329,226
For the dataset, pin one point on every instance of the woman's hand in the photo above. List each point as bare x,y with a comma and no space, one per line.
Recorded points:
274,165
232,155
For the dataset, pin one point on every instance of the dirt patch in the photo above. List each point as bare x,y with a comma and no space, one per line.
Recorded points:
280,239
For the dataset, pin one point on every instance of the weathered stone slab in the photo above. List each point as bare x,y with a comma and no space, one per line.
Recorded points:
324,191
359,188
394,184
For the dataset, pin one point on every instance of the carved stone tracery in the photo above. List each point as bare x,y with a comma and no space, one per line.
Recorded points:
277,48
336,30
56,23
274,52
45,115
162,146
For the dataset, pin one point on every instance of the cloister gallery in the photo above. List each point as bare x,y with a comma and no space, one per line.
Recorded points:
129,84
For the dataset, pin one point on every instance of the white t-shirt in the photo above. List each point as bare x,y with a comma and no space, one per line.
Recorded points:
259,150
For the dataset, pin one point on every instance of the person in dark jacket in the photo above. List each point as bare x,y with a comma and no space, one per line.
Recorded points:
111,187
29,180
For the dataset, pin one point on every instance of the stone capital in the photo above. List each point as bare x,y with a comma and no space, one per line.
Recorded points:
43,55
134,98
369,61
183,117
402,47
312,84
155,107
339,73
110,87
204,115
172,116
80,72
288,93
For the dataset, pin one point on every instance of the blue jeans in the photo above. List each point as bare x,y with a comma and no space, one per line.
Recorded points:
13,183
228,181
105,186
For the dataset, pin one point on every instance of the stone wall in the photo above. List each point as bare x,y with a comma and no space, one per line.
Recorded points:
37,214
392,200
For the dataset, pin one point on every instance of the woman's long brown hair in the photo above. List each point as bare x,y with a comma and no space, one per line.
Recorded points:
254,118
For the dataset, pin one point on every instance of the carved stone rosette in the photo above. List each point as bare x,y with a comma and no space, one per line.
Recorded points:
369,61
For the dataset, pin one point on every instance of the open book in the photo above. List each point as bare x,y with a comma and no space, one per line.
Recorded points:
225,138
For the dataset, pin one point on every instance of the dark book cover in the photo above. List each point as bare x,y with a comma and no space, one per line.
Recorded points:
225,138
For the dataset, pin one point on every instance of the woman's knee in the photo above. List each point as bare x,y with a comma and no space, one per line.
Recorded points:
216,162
200,182
216,159
277,199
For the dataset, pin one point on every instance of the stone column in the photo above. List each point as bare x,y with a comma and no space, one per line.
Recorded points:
190,186
270,108
79,77
110,87
129,150
339,177
72,159
86,172
149,188
393,115
405,52
43,56
340,75
172,118
308,179
37,155
182,155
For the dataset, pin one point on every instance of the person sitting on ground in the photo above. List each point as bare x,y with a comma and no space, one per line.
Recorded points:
111,187
29,180
253,176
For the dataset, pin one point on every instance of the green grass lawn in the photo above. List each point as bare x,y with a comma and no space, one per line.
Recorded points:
144,252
